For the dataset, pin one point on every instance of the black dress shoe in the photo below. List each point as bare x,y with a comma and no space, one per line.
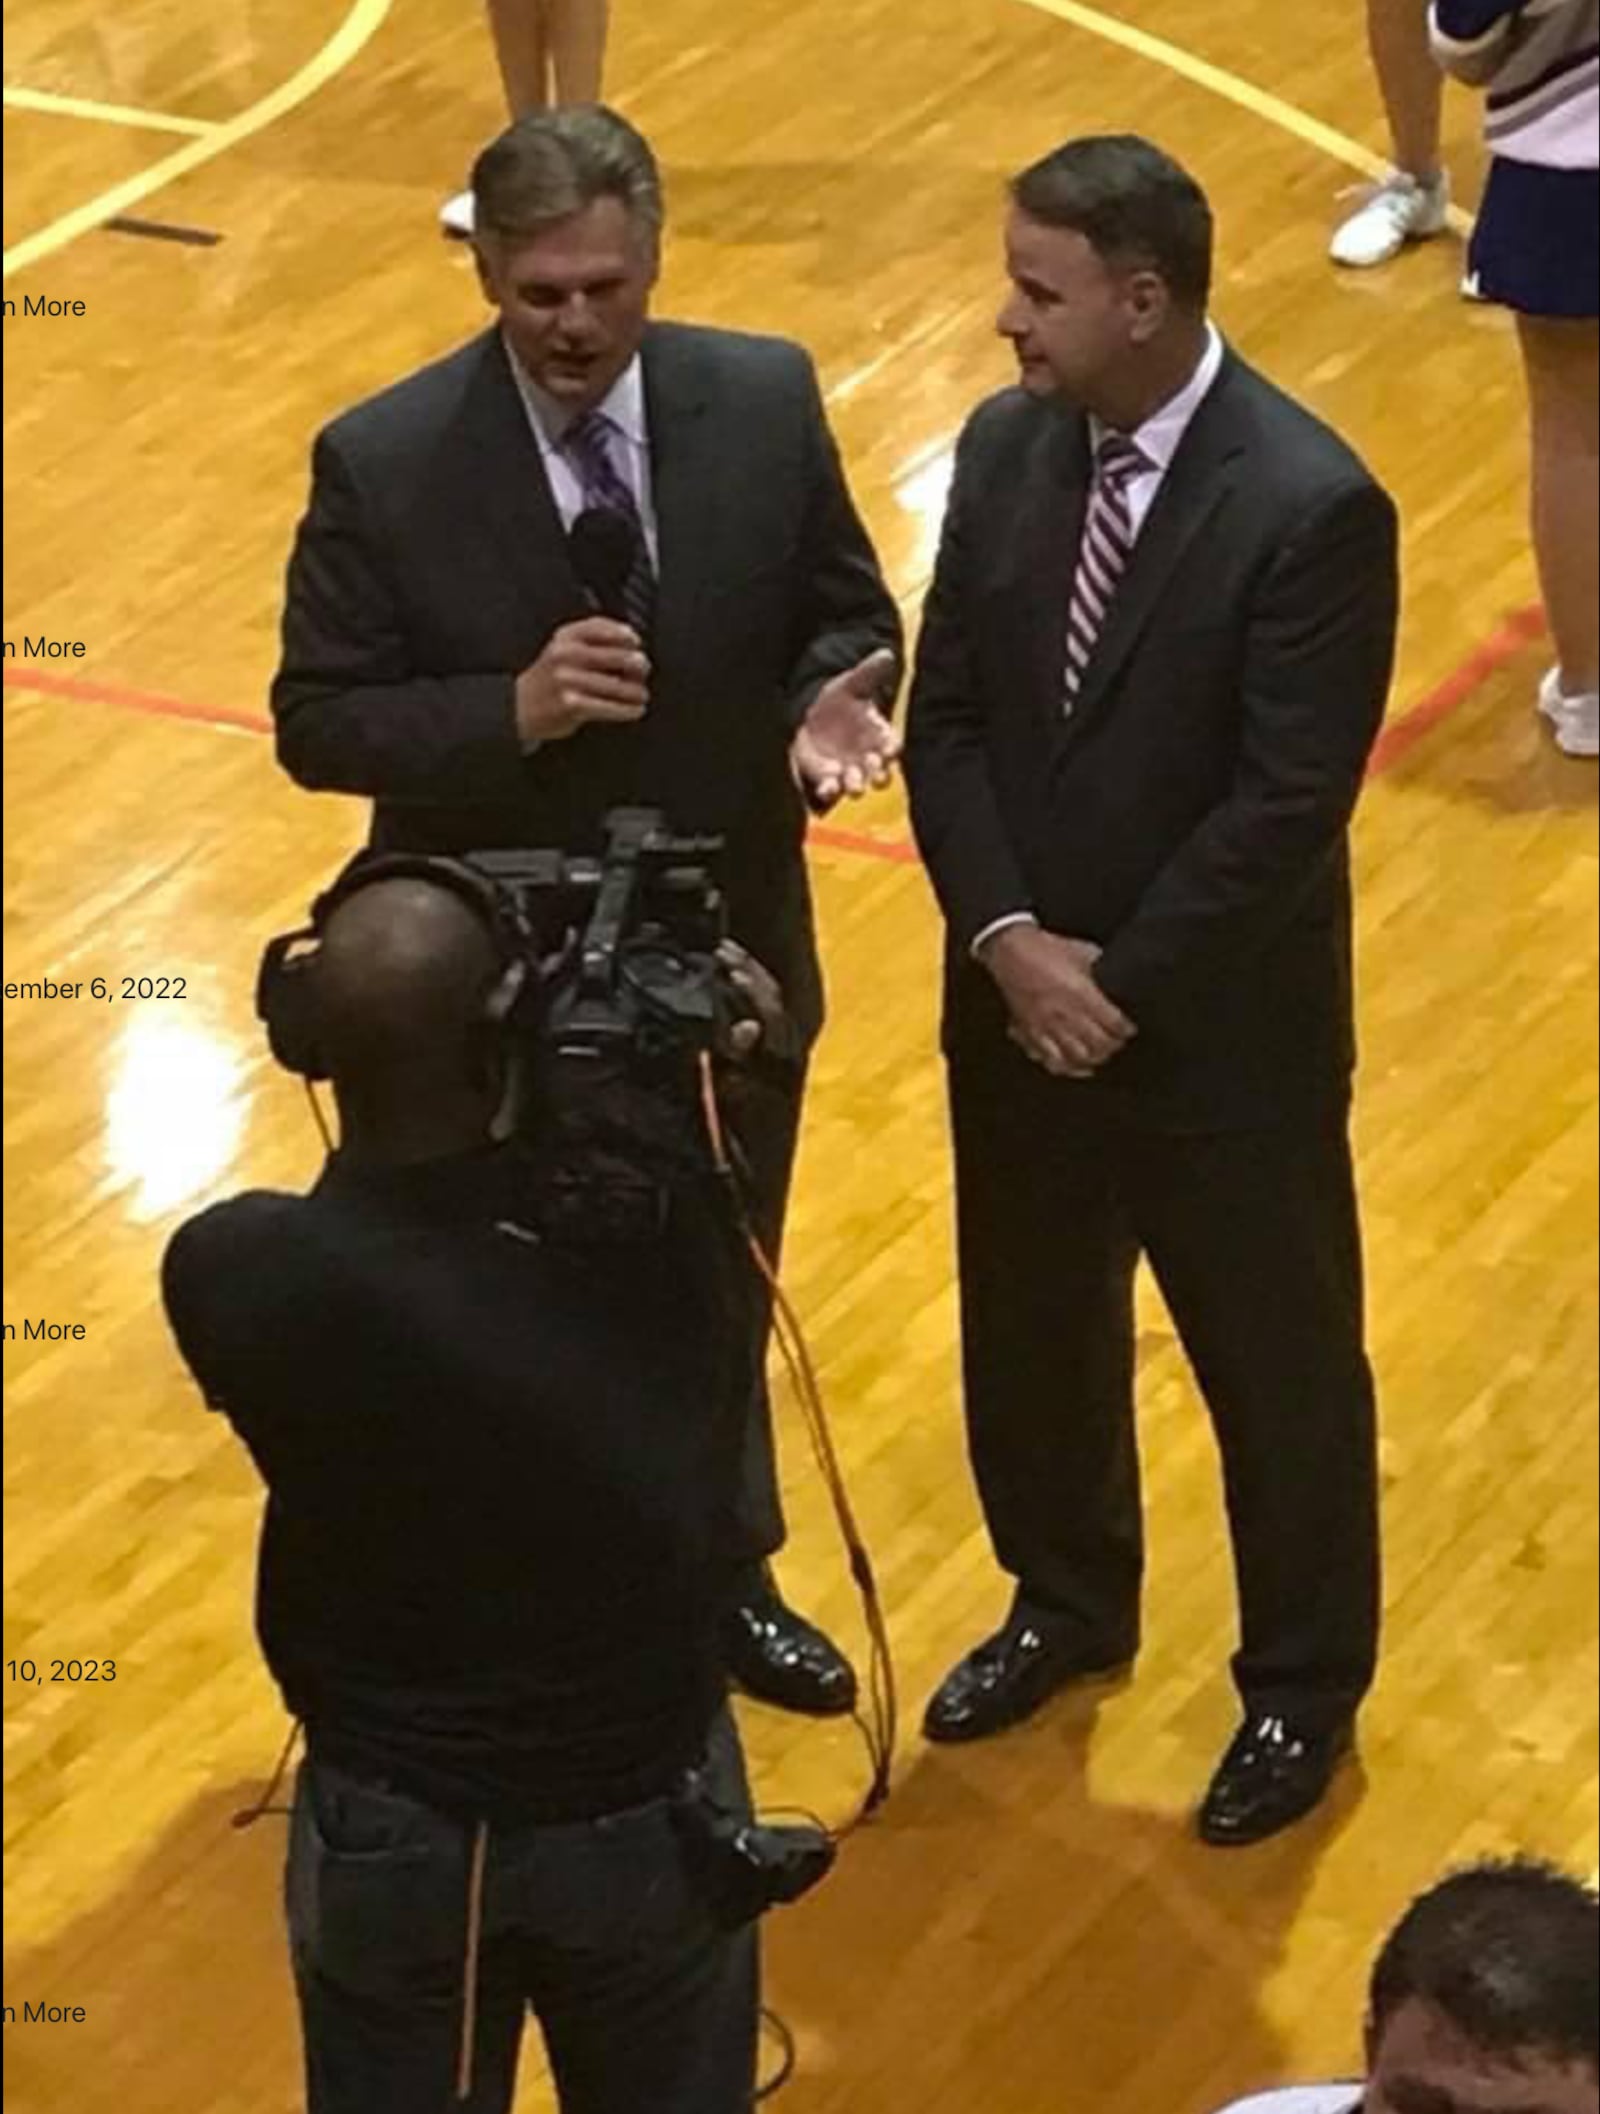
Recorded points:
1010,1677
778,1657
1274,1774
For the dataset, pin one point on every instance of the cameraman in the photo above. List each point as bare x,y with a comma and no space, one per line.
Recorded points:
488,1583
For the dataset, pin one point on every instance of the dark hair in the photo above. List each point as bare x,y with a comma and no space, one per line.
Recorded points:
553,163
1133,203
1509,1954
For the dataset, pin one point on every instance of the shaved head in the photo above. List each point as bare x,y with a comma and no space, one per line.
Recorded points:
402,976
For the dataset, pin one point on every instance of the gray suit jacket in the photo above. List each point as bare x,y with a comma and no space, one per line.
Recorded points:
432,567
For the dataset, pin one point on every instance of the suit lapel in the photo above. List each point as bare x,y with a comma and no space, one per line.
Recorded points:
1051,517
688,459
1202,475
510,488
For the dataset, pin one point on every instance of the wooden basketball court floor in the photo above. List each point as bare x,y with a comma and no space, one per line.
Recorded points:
1030,1929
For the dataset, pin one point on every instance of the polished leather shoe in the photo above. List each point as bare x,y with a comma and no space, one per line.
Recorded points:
778,1657
1010,1677
1273,1776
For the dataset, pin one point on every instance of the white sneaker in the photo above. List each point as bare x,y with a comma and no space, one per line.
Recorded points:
1575,719
456,216
1400,210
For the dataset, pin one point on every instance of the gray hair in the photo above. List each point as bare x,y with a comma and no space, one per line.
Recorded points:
555,163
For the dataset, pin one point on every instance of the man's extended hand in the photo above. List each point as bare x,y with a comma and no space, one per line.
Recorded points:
1059,1014
592,673
847,744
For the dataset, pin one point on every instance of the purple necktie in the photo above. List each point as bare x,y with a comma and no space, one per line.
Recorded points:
587,446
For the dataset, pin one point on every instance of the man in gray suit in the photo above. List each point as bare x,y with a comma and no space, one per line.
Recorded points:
1156,654
592,561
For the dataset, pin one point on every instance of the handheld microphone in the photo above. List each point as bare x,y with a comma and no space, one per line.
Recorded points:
604,545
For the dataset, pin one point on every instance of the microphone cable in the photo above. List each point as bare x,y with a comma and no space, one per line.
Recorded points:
264,1804
321,1121
788,2057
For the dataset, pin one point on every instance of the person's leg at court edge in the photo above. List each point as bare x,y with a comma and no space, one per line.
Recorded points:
1561,359
551,53
1412,204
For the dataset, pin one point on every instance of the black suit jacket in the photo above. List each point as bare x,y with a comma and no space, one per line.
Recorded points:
1191,817
431,568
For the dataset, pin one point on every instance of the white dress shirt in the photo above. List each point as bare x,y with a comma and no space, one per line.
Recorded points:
1304,2099
630,445
1159,440
1161,435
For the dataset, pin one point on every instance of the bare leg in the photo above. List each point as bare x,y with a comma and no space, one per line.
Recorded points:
1564,400
577,35
1413,204
522,45
1412,84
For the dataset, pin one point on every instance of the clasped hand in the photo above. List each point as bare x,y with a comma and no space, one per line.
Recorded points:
1059,1014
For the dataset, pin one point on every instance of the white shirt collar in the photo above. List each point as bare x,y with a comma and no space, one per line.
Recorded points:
623,404
1161,435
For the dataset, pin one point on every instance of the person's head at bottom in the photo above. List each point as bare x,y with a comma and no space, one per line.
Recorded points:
1487,1999
405,981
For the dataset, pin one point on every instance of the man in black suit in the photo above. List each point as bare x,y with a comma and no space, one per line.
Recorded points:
1156,654
487,682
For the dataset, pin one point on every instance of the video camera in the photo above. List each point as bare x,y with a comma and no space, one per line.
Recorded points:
614,990
634,993
625,945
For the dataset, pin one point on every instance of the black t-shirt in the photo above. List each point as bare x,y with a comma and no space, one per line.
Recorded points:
499,1473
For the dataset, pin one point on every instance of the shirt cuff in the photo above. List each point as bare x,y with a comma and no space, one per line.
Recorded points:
1014,917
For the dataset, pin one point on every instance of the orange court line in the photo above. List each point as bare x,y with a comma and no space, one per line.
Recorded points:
1399,737
1401,734
80,691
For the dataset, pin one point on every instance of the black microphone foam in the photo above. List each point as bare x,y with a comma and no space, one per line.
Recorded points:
604,545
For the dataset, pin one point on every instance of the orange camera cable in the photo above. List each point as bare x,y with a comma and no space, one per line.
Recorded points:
879,1719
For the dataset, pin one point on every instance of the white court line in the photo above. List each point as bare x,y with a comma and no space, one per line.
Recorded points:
1233,88
48,105
361,24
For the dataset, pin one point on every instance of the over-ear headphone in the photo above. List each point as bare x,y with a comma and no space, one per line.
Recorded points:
286,995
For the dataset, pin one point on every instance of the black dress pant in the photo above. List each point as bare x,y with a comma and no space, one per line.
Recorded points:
1254,1239
767,1122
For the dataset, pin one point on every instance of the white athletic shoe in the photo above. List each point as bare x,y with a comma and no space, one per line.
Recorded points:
1575,719
1400,210
456,216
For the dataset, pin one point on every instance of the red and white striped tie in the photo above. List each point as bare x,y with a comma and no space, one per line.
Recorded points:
1103,558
